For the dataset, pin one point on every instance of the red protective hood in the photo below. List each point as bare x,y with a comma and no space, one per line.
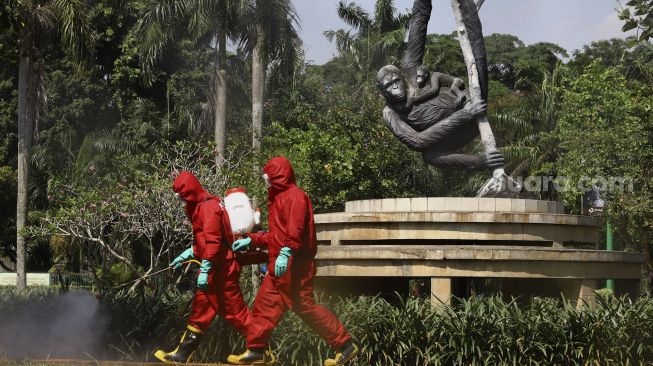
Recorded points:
190,189
281,174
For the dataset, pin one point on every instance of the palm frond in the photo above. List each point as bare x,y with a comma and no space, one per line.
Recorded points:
156,28
354,15
101,146
74,21
530,139
391,41
516,153
518,159
384,15
402,19
288,50
40,158
45,16
549,98
201,18
269,24
513,122
106,141
343,40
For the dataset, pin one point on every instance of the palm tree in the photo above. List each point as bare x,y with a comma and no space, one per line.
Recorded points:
271,35
379,38
205,21
70,19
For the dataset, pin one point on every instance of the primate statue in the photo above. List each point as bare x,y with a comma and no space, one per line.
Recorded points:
428,87
427,111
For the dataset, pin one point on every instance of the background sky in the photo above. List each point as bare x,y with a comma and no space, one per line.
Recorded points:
569,23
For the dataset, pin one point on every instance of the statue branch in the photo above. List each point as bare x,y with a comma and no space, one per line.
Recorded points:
487,137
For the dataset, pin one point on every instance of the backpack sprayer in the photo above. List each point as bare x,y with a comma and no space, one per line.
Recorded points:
242,218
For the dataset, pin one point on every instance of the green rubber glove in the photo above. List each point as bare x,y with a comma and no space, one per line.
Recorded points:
184,256
281,264
241,244
203,278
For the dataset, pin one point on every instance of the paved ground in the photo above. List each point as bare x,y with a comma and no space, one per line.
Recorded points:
65,362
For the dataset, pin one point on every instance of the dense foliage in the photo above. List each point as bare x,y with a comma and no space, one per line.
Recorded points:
606,126
477,331
107,118
122,113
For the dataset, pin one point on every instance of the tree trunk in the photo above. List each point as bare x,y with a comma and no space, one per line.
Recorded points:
220,110
26,113
258,86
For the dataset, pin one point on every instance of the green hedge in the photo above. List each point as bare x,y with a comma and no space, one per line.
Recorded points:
476,331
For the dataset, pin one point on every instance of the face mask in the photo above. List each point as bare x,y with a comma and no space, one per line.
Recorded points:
178,196
266,179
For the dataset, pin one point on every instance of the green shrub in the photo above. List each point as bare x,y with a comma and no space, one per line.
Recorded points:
475,331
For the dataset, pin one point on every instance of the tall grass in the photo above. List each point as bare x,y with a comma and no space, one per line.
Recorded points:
475,331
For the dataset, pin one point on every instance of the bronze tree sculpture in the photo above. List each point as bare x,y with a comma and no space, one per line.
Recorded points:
432,114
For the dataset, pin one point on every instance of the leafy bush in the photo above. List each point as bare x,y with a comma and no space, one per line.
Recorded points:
341,150
406,332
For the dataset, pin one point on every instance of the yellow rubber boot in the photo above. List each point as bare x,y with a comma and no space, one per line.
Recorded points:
262,357
189,342
346,354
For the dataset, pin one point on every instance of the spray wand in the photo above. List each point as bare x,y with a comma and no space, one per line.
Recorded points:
154,274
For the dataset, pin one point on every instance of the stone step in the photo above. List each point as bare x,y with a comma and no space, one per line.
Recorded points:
454,204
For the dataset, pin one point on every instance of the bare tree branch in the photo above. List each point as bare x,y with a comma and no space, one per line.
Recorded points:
142,214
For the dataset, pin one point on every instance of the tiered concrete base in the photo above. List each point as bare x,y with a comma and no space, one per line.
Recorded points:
451,239
450,220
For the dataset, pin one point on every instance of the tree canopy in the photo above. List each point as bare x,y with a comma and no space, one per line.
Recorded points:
145,92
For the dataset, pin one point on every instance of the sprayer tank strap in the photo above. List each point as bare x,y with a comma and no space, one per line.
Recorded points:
226,224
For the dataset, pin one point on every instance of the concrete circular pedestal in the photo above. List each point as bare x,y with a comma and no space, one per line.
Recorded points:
447,239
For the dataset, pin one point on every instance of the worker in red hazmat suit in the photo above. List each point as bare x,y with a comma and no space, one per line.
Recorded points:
292,246
218,288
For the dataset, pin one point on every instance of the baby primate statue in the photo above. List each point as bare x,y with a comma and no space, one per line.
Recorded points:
428,87
427,111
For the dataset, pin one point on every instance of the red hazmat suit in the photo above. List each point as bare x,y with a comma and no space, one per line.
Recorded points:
212,238
291,225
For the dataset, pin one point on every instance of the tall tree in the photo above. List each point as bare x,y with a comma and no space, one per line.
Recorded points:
69,19
271,37
378,40
606,129
635,61
519,66
209,22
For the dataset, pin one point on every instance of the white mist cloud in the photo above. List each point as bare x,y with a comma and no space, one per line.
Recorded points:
66,326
